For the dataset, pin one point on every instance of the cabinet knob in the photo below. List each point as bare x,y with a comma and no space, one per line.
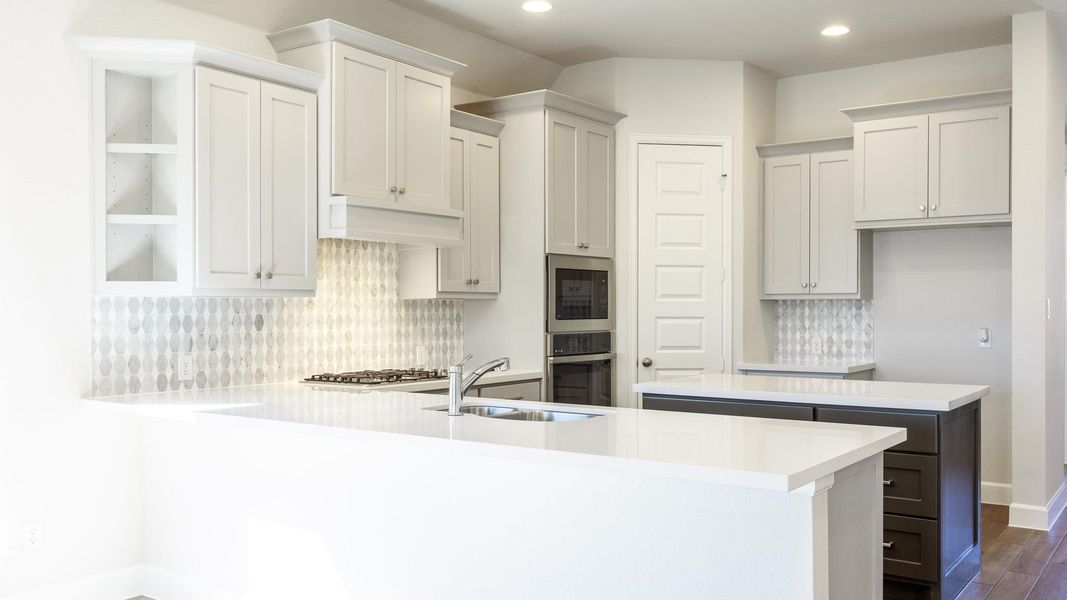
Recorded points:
393,189
922,208
270,275
646,362
804,284
813,284
933,207
477,281
470,281
403,190
258,275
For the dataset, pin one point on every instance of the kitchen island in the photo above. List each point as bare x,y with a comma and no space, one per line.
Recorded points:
931,482
285,491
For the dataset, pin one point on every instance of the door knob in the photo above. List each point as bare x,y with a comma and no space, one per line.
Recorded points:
646,362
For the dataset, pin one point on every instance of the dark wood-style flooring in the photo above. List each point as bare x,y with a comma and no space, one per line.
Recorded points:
1019,564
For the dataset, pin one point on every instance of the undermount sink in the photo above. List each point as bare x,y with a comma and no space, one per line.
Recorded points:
520,414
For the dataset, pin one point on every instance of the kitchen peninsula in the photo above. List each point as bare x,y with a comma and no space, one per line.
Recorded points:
931,482
369,494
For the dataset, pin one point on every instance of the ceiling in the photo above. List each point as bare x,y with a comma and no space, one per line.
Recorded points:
780,36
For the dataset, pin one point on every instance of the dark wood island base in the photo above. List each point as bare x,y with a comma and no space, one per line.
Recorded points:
932,482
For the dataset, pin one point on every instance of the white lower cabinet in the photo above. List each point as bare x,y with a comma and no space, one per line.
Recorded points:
204,174
811,249
255,191
472,270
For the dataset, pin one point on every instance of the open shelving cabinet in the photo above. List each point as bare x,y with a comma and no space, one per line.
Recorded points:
143,151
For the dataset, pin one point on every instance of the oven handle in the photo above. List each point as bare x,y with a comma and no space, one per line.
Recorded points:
562,360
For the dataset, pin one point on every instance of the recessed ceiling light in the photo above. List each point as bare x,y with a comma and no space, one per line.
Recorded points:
537,6
835,31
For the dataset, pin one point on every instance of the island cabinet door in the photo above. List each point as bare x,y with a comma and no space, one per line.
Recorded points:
734,408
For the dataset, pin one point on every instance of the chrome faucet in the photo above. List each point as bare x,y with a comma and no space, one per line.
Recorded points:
458,384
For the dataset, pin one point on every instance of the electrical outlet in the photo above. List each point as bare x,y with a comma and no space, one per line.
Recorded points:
816,345
185,367
985,339
32,535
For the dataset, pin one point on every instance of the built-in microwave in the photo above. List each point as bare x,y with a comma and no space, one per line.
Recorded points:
581,294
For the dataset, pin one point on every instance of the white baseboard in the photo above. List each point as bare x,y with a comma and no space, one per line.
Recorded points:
130,582
996,493
1030,516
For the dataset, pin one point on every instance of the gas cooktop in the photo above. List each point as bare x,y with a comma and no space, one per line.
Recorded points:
384,376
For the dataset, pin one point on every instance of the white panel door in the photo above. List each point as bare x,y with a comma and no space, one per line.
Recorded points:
485,217
786,235
834,247
970,162
562,195
424,102
680,260
227,180
289,203
364,133
891,168
453,264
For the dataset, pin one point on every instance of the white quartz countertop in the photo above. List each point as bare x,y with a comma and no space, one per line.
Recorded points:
809,390
762,453
788,366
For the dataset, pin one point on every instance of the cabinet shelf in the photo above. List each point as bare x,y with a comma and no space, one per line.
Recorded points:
122,148
142,220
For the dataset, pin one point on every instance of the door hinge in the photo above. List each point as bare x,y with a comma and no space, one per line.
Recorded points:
722,274
722,181
723,366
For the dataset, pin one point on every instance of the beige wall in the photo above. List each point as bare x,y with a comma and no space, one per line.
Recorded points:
809,106
1037,269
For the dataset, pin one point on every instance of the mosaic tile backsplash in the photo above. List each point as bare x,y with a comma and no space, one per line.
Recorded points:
355,321
824,330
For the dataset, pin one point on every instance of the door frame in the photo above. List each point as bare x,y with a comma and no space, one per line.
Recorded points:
726,144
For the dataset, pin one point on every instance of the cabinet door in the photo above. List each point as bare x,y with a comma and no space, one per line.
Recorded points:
288,206
227,180
453,264
834,248
786,225
596,207
562,135
970,162
364,134
485,214
891,168
423,118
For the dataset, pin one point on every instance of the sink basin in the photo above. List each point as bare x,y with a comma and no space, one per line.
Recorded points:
544,415
483,411
520,414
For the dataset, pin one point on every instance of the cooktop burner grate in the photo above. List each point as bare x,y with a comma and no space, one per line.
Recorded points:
378,377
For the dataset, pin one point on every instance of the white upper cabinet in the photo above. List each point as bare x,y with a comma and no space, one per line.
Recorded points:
364,137
205,171
577,142
384,135
811,248
472,270
255,193
227,180
937,162
970,162
579,186
891,178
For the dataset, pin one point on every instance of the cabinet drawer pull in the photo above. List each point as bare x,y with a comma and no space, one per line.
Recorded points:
889,545
887,482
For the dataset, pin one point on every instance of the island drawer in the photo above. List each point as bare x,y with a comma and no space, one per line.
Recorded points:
910,547
716,406
922,428
910,484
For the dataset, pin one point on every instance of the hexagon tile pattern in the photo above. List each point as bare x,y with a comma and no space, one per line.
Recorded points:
845,327
355,321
